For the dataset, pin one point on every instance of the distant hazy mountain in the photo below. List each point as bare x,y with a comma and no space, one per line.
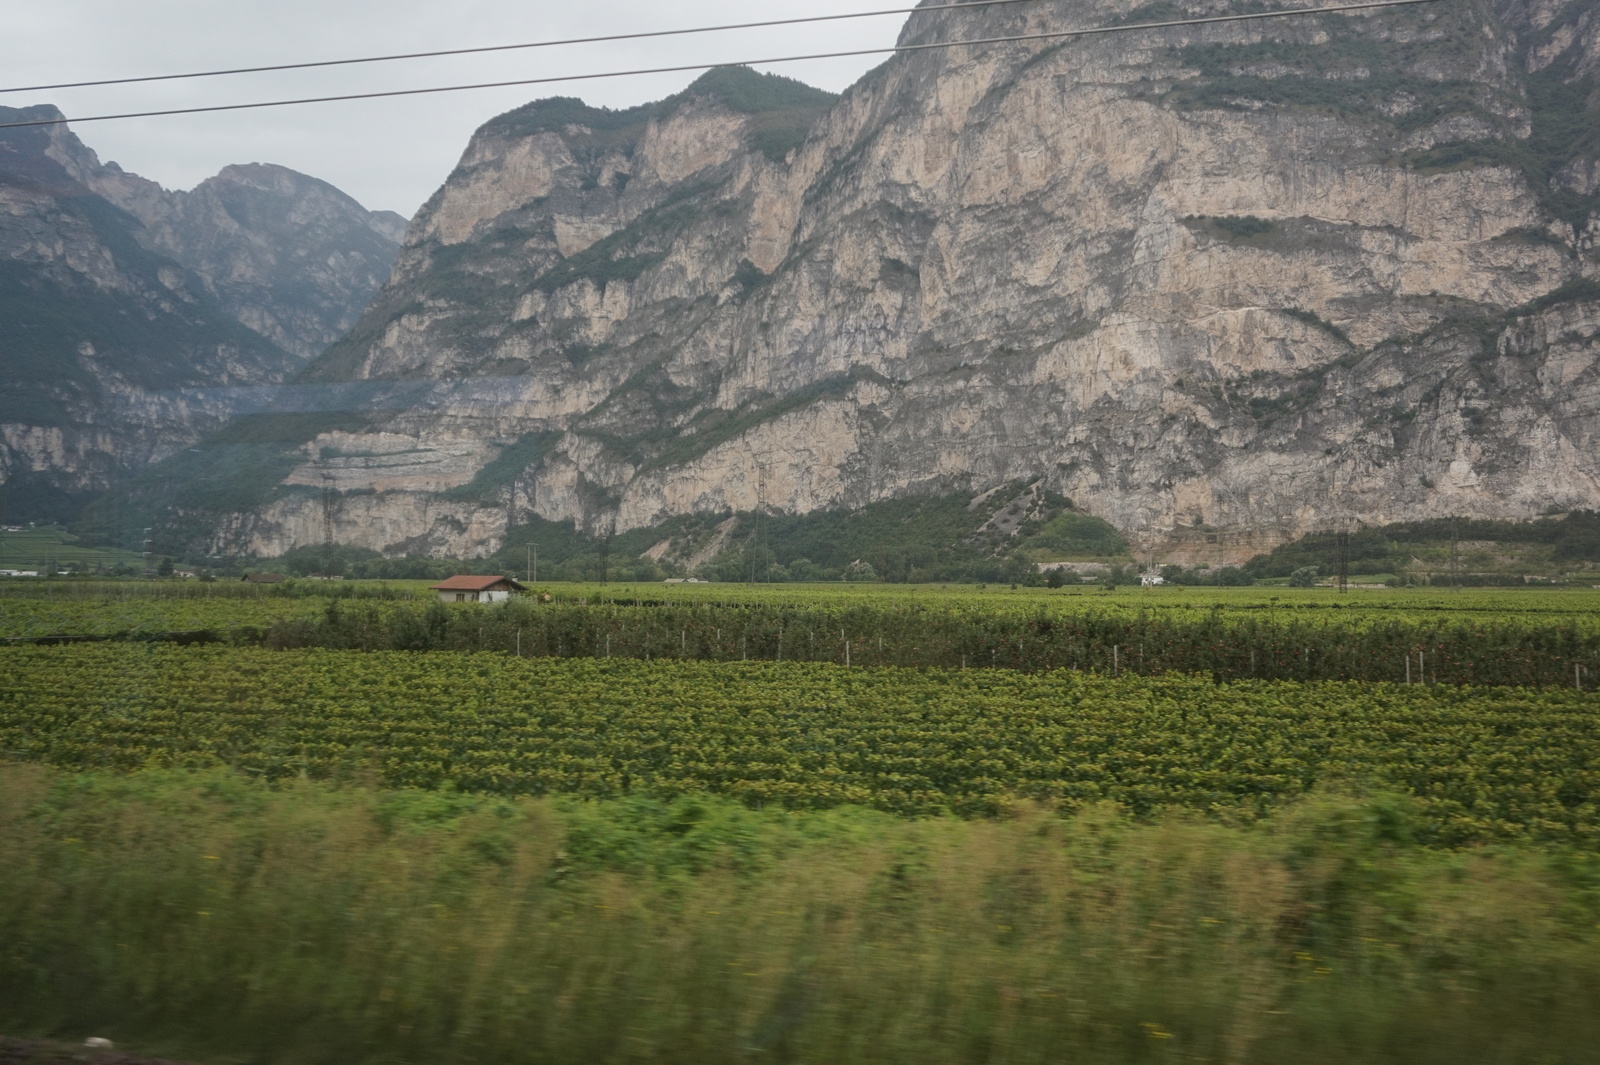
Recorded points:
114,292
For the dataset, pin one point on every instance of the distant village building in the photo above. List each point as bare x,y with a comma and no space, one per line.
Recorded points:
477,589
264,578
1152,578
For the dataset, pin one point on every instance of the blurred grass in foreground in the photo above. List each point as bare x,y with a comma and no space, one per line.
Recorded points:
205,916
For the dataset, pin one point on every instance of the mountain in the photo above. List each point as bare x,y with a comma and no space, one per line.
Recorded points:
125,309
290,257
1216,285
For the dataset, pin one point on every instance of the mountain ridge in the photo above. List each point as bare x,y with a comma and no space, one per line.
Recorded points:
1218,285
127,311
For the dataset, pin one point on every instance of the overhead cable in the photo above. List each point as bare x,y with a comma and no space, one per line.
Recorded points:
516,47
896,49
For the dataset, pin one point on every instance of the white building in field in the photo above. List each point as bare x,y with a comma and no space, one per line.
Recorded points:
477,589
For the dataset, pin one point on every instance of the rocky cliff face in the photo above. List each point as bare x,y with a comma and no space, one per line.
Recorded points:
124,307
1217,285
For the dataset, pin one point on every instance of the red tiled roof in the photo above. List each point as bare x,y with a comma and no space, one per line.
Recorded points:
473,584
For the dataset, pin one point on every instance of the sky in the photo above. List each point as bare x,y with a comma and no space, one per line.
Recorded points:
388,154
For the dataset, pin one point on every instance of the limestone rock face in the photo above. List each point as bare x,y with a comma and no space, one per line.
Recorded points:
126,310
1218,285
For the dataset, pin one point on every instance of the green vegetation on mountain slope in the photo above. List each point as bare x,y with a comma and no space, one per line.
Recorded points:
784,108
1485,552
920,539
1408,81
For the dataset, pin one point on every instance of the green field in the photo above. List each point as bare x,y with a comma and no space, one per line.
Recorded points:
1575,603
802,823
1499,637
47,547
1478,764
1568,602
138,609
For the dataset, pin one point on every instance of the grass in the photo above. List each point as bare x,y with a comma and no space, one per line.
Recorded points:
1572,603
203,916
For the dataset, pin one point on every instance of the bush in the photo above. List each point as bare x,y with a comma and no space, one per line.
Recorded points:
1304,577
860,571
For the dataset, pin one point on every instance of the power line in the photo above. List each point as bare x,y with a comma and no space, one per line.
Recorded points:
517,47
897,49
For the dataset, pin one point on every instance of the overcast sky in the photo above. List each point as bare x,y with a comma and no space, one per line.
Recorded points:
389,154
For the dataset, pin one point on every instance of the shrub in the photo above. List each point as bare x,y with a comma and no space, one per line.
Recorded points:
1304,577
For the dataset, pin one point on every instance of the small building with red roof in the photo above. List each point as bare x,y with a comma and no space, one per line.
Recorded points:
477,589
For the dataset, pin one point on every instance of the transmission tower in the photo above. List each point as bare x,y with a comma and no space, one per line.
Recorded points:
5,492
329,502
756,542
1342,557
761,509
1455,554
